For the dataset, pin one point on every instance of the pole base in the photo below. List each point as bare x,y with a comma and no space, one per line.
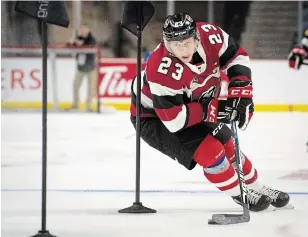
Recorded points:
43,233
137,208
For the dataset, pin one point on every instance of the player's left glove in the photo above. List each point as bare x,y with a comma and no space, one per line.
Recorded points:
239,106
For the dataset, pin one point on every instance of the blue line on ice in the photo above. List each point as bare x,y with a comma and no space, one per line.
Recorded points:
125,191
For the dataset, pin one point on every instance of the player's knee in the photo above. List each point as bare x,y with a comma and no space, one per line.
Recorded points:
209,152
229,149
218,167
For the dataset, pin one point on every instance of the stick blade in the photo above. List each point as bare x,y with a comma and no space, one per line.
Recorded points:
228,219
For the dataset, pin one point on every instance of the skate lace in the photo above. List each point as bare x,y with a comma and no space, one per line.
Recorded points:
254,196
272,193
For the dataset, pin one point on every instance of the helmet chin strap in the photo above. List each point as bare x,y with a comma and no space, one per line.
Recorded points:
197,38
196,46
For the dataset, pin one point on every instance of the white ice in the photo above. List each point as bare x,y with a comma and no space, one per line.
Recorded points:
91,175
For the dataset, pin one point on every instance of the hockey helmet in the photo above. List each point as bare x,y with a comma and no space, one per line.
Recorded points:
179,27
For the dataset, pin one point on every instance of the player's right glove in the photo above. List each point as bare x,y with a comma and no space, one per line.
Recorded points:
296,57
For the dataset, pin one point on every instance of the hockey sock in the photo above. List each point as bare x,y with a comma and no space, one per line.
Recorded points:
250,173
217,168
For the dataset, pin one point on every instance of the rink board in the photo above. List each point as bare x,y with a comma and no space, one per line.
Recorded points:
126,106
277,88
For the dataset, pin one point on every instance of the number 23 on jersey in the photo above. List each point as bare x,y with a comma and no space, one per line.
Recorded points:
165,65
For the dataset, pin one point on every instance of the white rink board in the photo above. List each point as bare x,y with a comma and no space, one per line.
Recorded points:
274,81
17,80
91,174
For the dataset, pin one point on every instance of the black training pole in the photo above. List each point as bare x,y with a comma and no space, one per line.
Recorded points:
137,206
44,123
52,12
43,232
138,98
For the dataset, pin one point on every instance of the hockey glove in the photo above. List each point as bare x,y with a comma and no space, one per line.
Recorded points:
239,106
223,115
296,57
213,109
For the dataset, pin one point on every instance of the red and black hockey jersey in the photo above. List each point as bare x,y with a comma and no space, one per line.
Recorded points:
171,89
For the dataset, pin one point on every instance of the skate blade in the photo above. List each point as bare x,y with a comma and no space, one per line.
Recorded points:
287,207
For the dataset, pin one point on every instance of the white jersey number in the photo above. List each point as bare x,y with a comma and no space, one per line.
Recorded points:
207,27
165,66
214,38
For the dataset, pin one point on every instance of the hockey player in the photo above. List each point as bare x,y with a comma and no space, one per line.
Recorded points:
299,52
181,115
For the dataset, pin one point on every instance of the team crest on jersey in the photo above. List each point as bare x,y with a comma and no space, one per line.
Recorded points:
201,68
208,93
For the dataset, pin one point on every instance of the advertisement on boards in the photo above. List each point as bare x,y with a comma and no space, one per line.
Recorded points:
21,83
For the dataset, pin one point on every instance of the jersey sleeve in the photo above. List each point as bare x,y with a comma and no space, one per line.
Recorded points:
168,101
233,59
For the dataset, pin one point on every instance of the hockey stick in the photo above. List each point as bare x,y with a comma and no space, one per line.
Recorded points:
226,219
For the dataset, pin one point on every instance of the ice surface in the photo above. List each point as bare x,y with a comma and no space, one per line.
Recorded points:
91,175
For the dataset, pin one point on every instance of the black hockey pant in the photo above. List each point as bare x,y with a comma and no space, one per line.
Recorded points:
181,145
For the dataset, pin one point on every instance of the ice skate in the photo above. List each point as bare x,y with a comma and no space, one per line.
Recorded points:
279,199
257,201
